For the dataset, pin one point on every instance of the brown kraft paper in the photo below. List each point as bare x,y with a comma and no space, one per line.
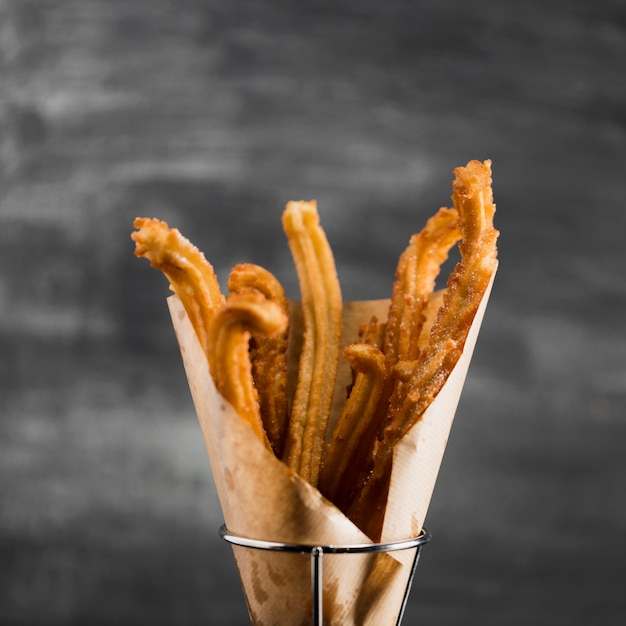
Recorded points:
262,499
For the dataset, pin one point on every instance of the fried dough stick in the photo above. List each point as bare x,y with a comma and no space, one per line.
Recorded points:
473,200
269,354
229,360
322,310
191,276
351,435
416,273
418,268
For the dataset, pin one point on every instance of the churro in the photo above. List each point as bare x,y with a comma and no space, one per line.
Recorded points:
268,354
321,308
191,276
230,331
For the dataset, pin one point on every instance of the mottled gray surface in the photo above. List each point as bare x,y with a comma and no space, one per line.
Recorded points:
212,115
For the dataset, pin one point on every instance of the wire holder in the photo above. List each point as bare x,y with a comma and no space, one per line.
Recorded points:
317,553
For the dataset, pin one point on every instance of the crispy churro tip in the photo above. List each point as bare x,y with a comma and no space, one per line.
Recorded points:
190,275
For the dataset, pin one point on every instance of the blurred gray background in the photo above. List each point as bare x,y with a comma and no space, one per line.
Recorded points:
212,115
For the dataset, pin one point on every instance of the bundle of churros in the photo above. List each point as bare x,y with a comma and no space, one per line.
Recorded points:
326,421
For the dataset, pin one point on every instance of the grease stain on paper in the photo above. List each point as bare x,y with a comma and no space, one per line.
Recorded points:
229,480
331,594
260,594
275,576
415,525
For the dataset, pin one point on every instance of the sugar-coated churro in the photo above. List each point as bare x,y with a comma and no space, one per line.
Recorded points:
473,200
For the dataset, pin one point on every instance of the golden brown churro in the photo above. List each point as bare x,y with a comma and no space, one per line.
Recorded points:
418,268
191,276
269,354
473,200
321,308
416,272
229,344
350,437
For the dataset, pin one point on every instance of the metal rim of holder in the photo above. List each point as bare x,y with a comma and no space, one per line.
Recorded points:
317,551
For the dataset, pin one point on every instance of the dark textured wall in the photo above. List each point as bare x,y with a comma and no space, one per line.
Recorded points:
212,115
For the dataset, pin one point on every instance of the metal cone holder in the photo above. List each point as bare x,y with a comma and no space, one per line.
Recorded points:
317,553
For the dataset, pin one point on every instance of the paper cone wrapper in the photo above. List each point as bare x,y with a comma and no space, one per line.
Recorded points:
262,499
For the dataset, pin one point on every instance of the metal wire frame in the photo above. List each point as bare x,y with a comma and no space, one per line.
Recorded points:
317,553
